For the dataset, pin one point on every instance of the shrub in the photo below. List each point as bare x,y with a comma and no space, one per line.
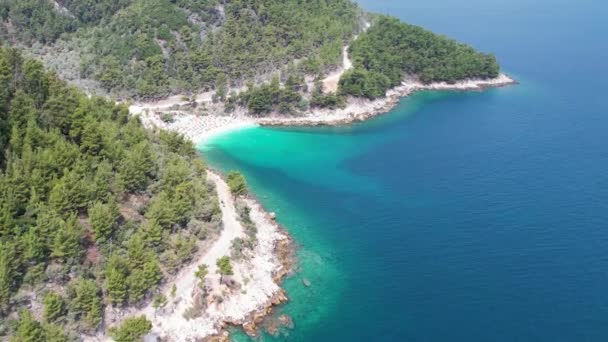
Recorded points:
237,183
131,329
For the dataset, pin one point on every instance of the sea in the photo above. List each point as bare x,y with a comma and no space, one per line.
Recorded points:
457,216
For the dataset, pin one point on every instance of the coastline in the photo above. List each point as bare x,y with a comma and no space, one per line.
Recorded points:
245,298
199,128
272,259
358,109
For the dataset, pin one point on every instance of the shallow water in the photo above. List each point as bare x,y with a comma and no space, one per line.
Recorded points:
457,216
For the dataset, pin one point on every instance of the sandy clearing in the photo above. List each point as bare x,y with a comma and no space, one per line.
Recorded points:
330,83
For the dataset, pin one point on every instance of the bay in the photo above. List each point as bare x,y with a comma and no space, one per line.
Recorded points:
457,216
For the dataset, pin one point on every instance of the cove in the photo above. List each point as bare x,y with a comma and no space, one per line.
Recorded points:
457,216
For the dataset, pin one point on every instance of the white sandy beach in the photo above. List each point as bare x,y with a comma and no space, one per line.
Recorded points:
201,127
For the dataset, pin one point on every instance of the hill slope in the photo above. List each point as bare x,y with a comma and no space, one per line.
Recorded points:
94,210
149,48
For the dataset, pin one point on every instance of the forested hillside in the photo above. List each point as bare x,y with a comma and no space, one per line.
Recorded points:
382,56
155,47
94,210
390,50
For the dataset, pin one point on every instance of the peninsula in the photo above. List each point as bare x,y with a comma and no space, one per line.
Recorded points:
353,91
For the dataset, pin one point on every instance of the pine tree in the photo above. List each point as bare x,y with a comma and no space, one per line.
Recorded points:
224,267
28,329
103,181
103,219
60,197
137,166
47,223
94,315
54,307
131,329
160,300
137,251
34,245
152,234
182,203
236,183
6,76
85,301
91,140
7,273
116,284
54,333
67,242
162,210
201,274
34,80
137,285
152,273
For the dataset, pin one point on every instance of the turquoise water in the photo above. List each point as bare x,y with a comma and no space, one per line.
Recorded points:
457,216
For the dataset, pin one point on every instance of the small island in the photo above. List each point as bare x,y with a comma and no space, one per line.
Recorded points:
111,224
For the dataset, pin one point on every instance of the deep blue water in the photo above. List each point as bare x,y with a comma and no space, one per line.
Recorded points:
458,216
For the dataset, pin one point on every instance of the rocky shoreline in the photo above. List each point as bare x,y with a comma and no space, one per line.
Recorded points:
358,110
204,311
284,251
199,128
275,257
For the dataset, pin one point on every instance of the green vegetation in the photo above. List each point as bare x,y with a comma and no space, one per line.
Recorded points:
131,329
272,96
236,183
150,48
240,245
321,100
54,307
201,274
91,203
390,49
28,329
159,301
224,267
360,82
159,46
35,20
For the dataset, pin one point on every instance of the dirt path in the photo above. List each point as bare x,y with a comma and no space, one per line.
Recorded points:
171,321
330,83
186,283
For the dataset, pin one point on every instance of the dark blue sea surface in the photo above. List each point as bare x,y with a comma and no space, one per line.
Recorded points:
476,216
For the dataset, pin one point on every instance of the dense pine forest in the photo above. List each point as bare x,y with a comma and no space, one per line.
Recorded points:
383,56
95,211
390,50
150,48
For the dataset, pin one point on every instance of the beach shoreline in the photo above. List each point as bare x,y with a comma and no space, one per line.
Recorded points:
357,109
201,128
